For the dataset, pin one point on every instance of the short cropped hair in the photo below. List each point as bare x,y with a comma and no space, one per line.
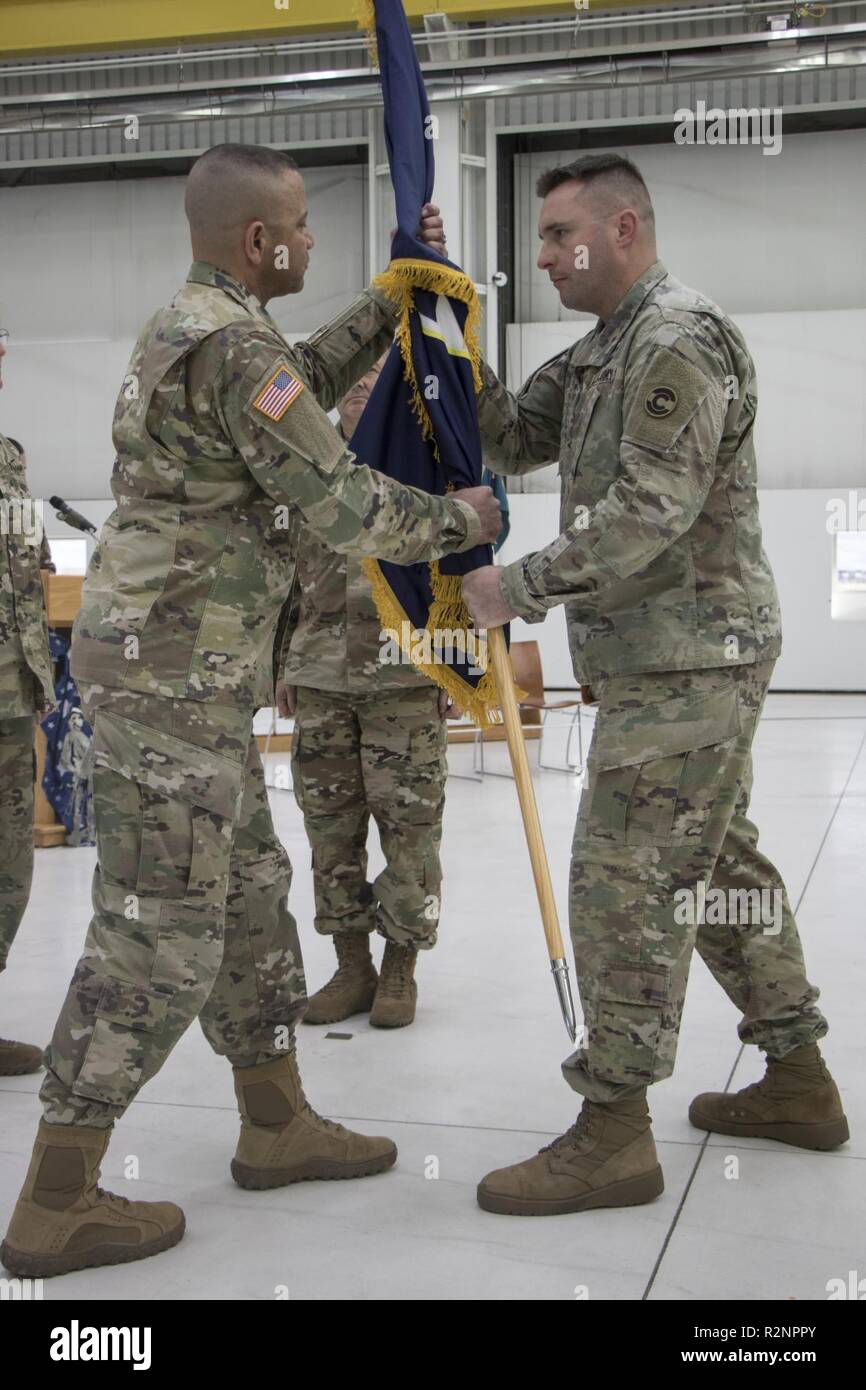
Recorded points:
615,175
259,157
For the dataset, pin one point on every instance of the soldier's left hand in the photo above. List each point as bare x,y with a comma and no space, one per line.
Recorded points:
445,704
483,594
432,229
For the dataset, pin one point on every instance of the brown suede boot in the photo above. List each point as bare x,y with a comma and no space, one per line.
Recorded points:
397,994
18,1059
283,1140
796,1102
607,1159
352,987
63,1221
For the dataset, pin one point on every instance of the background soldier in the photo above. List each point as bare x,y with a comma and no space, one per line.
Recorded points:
26,687
369,739
220,434
674,622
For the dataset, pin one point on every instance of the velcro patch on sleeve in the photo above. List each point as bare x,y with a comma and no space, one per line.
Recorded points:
669,392
278,392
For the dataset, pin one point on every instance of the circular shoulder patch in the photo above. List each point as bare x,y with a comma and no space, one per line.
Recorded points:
662,400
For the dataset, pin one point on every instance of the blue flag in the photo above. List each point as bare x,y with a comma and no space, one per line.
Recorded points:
67,782
420,425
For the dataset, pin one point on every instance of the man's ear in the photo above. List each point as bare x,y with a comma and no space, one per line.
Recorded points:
626,227
254,242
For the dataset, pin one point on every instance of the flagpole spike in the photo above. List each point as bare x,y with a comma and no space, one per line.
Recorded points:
563,989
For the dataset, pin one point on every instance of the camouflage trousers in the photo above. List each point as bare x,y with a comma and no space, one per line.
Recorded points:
664,860
16,824
189,907
383,755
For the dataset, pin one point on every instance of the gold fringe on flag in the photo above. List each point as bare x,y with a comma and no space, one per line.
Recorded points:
366,13
448,612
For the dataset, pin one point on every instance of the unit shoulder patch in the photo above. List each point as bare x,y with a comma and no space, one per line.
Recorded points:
661,401
279,391
668,394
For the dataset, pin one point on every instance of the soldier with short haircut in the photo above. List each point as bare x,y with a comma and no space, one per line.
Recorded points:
26,694
223,446
369,739
674,623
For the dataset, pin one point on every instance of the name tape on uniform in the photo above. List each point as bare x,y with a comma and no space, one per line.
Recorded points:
278,393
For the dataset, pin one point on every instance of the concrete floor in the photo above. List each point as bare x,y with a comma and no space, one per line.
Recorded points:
475,1083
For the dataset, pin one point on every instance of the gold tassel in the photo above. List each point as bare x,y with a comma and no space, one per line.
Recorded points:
365,11
446,611
404,276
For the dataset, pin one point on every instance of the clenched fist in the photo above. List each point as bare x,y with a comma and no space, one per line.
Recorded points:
487,506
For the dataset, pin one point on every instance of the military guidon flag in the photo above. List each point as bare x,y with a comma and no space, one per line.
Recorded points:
420,425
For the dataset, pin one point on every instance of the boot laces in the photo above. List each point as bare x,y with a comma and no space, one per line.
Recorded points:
335,983
397,972
112,1198
756,1091
351,960
331,1126
574,1135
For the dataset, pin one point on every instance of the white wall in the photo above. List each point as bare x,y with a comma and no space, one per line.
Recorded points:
757,233
819,653
811,426
85,265
776,240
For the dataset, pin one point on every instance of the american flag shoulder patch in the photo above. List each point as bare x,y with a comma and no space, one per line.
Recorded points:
278,393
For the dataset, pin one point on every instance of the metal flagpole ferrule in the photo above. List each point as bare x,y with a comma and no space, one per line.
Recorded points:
563,989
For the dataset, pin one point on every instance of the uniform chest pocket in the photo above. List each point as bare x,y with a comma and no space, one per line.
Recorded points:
592,433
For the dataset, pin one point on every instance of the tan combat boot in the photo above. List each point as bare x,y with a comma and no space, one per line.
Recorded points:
796,1102
397,994
352,987
18,1059
63,1221
283,1140
607,1159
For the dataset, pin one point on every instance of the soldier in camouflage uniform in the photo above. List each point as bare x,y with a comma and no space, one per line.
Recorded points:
26,691
673,622
222,445
369,739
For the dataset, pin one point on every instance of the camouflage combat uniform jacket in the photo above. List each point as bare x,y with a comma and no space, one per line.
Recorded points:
651,415
26,682
222,446
333,627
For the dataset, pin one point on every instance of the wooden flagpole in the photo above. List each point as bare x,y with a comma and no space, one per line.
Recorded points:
504,679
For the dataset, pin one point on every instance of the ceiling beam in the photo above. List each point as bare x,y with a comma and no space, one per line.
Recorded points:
30,27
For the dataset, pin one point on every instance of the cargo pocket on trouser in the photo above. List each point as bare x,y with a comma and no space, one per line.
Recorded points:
654,772
126,1042
259,991
165,811
406,791
650,825
624,1038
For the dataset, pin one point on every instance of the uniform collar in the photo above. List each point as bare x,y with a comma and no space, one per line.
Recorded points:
203,273
596,348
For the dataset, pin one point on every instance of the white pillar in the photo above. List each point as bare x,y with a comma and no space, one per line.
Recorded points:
446,190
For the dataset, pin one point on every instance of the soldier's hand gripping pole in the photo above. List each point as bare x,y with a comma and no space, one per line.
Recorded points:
501,665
